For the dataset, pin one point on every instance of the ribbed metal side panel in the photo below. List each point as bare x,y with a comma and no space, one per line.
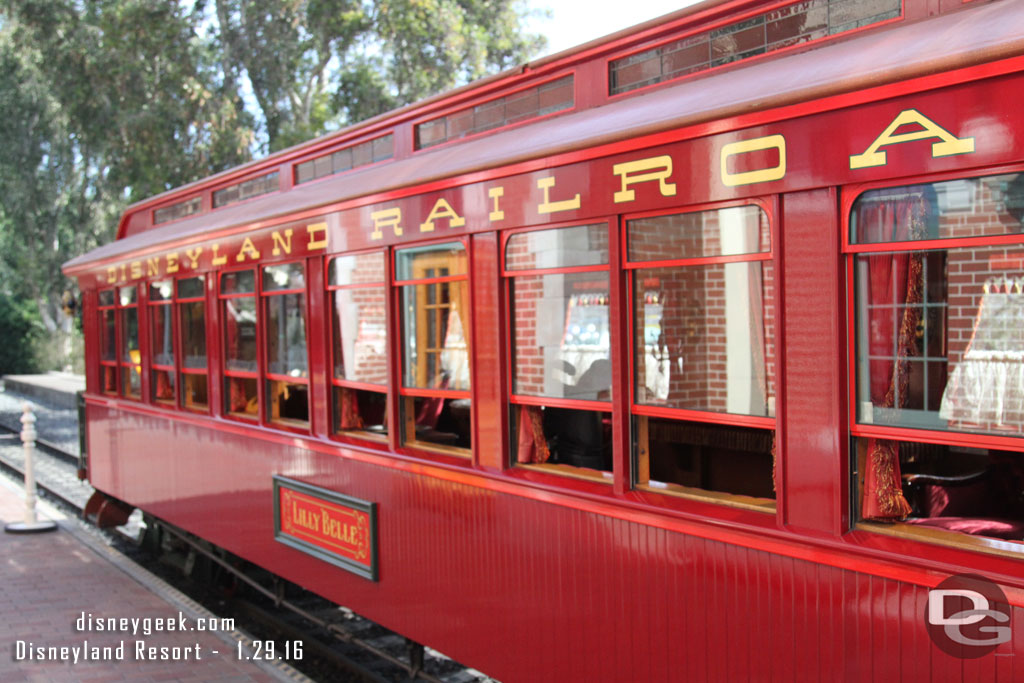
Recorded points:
528,590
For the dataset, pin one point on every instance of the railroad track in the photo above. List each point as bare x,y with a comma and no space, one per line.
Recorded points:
337,644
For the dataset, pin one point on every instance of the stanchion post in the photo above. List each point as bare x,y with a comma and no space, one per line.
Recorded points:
30,524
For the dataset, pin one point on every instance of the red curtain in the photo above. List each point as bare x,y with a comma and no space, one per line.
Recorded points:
350,417
533,446
895,290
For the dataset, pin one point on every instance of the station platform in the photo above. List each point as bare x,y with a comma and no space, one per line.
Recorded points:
55,388
60,589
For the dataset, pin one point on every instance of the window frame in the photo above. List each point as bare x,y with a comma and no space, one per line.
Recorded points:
333,381
125,367
263,349
850,252
508,276
226,373
179,356
115,364
408,395
769,205
154,367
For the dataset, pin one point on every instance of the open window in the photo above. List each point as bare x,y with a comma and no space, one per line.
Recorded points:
108,342
131,357
703,347
433,284
937,278
558,288
357,285
283,291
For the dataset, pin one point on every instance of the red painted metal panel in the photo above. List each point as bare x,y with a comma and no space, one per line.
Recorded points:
532,590
813,453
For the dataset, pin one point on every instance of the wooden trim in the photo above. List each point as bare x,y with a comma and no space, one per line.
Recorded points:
570,471
717,497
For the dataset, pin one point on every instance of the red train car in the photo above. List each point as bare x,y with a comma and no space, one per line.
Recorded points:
694,353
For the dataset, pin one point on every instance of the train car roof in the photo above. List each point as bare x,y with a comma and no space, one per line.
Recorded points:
899,51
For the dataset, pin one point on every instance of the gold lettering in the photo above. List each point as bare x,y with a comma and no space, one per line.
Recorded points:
218,260
124,272
549,206
657,168
305,518
319,242
442,209
136,270
763,175
280,243
496,193
948,145
193,257
111,274
172,263
386,218
153,266
248,249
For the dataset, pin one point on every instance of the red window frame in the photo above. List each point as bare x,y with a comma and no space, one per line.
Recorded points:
230,374
109,368
405,393
331,332
263,297
849,196
179,338
769,206
154,367
126,367
508,278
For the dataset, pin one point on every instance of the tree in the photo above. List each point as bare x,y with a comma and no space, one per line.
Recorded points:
317,64
105,102
101,103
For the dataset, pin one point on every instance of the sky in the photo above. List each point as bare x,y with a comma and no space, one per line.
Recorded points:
573,22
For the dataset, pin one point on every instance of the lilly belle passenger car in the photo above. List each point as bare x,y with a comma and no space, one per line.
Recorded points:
692,353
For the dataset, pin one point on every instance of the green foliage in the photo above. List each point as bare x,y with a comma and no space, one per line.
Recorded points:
106,102
21,332
314,65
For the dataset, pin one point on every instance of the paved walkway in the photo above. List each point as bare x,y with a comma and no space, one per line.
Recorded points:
53,582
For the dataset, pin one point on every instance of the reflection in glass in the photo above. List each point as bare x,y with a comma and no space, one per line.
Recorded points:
284,277
193,334
965,207
238,282
130,340
108,336
581,245
703,338
190,287
561,336
721,232
357,269
286,335
240,334
360,334
162,340
436,325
